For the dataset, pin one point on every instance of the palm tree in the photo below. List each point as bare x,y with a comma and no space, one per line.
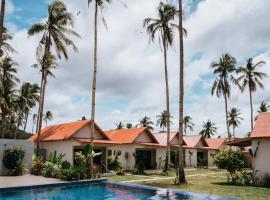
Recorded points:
188,124
34,118
234,119
162,119
55,30
48,117
119,126
209,129
163,27
264,107
146,123
250,78
2,18
6,47
129,125
221,86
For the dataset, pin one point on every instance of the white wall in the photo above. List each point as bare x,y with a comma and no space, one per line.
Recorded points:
26,145
261,162
85,131
191,161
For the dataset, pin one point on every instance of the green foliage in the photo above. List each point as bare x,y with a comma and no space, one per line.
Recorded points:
66,165
51,170
230,160
55,158
37,166
113,163
246,177
13,161
120,171
73,173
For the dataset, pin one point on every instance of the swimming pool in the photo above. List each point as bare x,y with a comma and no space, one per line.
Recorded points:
101,191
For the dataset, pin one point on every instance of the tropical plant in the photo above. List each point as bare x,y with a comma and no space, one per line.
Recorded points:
250,78
223,70
2,18
48,117
5,46
188,124
234,119
55,29
163,27
162,120
264,107
13,161
37,165
55,158
119,126
146,123
209,129
129,125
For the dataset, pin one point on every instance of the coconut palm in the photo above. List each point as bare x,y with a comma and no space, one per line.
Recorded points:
209,129
48,117
188,124
119,126
2,18
264,107
162,27
162,120
251,78
223,70
34,121
6,47
55,30
234,119
146,123
129,125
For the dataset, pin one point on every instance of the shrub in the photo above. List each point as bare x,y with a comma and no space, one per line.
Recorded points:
55,158
113,163
246,177
13,161
51,170
37,166
138,168
120,171
66,165
230,160
73,173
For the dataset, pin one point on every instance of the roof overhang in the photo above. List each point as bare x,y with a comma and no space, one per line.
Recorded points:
241,142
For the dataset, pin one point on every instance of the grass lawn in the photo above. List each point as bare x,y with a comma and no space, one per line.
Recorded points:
215,184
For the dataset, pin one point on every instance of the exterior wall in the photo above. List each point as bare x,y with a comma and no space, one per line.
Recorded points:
127,154
191,160
26,145
85,133
261,161
210,159
144,137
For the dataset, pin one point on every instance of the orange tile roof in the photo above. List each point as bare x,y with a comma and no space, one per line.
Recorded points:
63,131
215,143
127,136
262,126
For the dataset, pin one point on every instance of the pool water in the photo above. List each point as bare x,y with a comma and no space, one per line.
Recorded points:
102,191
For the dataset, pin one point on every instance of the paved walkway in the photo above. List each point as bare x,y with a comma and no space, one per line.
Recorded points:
25,180
171,177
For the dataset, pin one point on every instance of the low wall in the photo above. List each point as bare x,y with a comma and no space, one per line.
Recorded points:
26,145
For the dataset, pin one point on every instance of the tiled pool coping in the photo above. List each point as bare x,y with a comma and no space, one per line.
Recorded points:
104,180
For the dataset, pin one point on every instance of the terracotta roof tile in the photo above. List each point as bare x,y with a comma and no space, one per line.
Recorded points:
262,126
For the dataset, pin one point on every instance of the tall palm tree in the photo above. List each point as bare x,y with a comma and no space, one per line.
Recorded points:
119,126
162,120
146,123
223,70
48,117
2,18
34,120
209,129
251,78
129,125
234,119
55,30
264,107
6,47
99,5
163,27
188,124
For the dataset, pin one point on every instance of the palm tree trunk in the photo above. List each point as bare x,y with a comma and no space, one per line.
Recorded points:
226,112
251,109
181,171
93,109
167,160
2,17
26,120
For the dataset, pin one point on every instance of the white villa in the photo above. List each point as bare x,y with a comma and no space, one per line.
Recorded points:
135,144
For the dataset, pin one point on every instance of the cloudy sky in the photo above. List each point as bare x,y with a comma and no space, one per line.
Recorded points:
130,70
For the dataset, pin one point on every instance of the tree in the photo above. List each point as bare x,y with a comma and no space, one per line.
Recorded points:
221,86
250,78
209,129
55,30
188,124
34,120
162,120
2,18
119,126
99,5
163,27
146,123
48,117
129,125
264,107
5,46
234,119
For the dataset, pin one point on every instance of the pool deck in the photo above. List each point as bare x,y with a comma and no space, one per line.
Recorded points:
25,180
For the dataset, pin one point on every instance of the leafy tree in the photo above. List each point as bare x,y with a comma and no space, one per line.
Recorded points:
234,119
119,126
146,123
251,78
264,107
163,27
48,117
162,119
209,129
55,30
129,125
223,70
188,124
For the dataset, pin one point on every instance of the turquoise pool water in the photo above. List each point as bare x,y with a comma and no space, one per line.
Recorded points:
101,191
